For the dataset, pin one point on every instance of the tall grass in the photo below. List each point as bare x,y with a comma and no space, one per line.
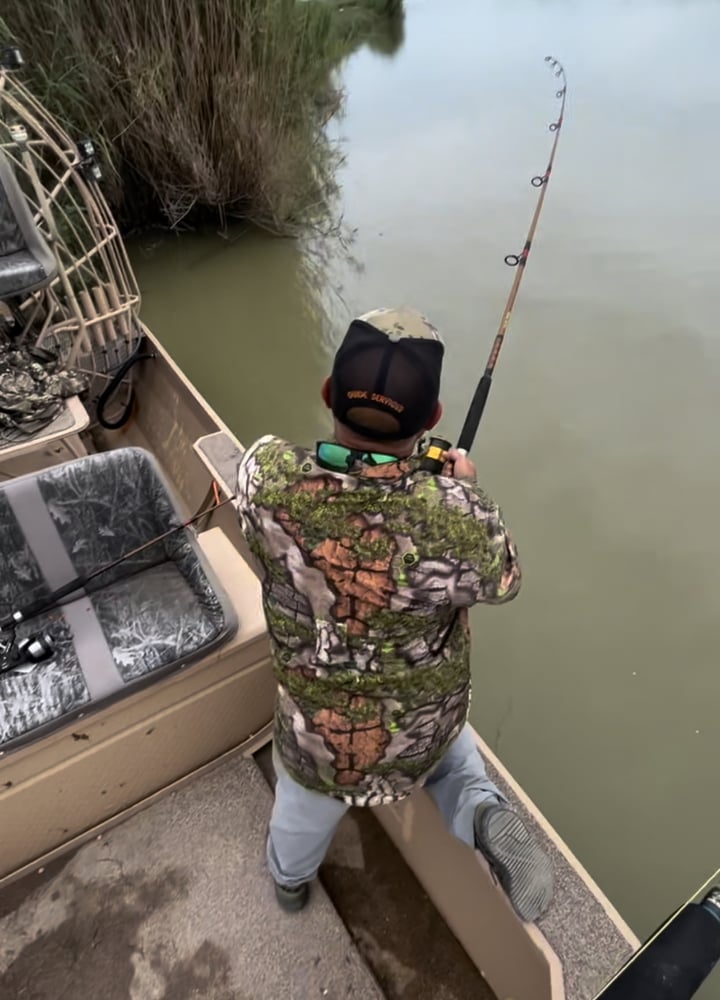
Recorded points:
199,105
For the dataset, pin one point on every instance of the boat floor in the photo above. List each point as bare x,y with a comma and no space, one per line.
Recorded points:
175,904
398,931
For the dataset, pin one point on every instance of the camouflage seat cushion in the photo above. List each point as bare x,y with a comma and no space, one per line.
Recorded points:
152,614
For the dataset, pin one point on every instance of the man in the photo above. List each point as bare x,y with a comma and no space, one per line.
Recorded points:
368,566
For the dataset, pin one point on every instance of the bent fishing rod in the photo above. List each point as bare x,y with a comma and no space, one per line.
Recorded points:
433,460
40,646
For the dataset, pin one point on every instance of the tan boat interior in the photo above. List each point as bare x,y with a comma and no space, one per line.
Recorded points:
63,790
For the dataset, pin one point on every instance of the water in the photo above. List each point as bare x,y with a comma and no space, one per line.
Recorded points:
599,686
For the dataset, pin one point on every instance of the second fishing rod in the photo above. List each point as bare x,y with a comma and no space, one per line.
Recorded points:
433,459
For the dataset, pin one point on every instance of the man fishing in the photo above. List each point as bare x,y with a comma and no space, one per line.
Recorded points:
369,565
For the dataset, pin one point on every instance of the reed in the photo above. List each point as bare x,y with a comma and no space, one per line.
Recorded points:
200,106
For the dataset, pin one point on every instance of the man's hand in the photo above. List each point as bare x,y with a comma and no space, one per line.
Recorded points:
458,465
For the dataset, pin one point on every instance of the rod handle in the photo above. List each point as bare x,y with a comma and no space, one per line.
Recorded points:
674,965
475,412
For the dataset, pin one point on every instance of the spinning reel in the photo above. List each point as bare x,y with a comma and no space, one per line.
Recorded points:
23,654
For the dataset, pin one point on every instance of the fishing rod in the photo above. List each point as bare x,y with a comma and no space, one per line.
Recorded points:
433,460
40,646
674,961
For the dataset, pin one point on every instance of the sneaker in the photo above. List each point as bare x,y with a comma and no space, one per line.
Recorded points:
292,898
515,856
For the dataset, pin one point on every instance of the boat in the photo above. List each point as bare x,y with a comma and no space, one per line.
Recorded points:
136,721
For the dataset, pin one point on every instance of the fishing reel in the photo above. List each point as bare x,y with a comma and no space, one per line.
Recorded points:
23,654
433,457
36,648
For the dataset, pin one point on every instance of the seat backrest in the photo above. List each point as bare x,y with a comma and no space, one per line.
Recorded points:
107,504
21,580
11,237
18,231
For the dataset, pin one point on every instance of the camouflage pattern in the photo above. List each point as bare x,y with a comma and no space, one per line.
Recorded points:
32,389
402,322
366,581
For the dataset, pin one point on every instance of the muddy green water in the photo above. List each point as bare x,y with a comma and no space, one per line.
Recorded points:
600,685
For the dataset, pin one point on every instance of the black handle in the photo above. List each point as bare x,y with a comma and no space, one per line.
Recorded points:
675,964
467,434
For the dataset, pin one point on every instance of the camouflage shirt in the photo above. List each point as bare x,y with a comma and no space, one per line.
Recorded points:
366,578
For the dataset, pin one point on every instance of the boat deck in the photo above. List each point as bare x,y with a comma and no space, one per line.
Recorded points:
175,904
411,951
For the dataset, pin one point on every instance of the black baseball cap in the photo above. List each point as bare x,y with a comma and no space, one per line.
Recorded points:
385,381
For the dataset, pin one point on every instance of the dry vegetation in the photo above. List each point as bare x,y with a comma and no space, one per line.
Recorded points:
202,106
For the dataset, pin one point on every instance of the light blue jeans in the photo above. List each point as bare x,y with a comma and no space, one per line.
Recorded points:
303,822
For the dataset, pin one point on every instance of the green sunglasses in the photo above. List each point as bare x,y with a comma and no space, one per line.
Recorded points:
338,458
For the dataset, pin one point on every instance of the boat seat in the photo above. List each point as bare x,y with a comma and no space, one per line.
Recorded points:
26,262
153,614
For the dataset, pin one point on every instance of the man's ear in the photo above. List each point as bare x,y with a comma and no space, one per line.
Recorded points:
436,417
325,392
